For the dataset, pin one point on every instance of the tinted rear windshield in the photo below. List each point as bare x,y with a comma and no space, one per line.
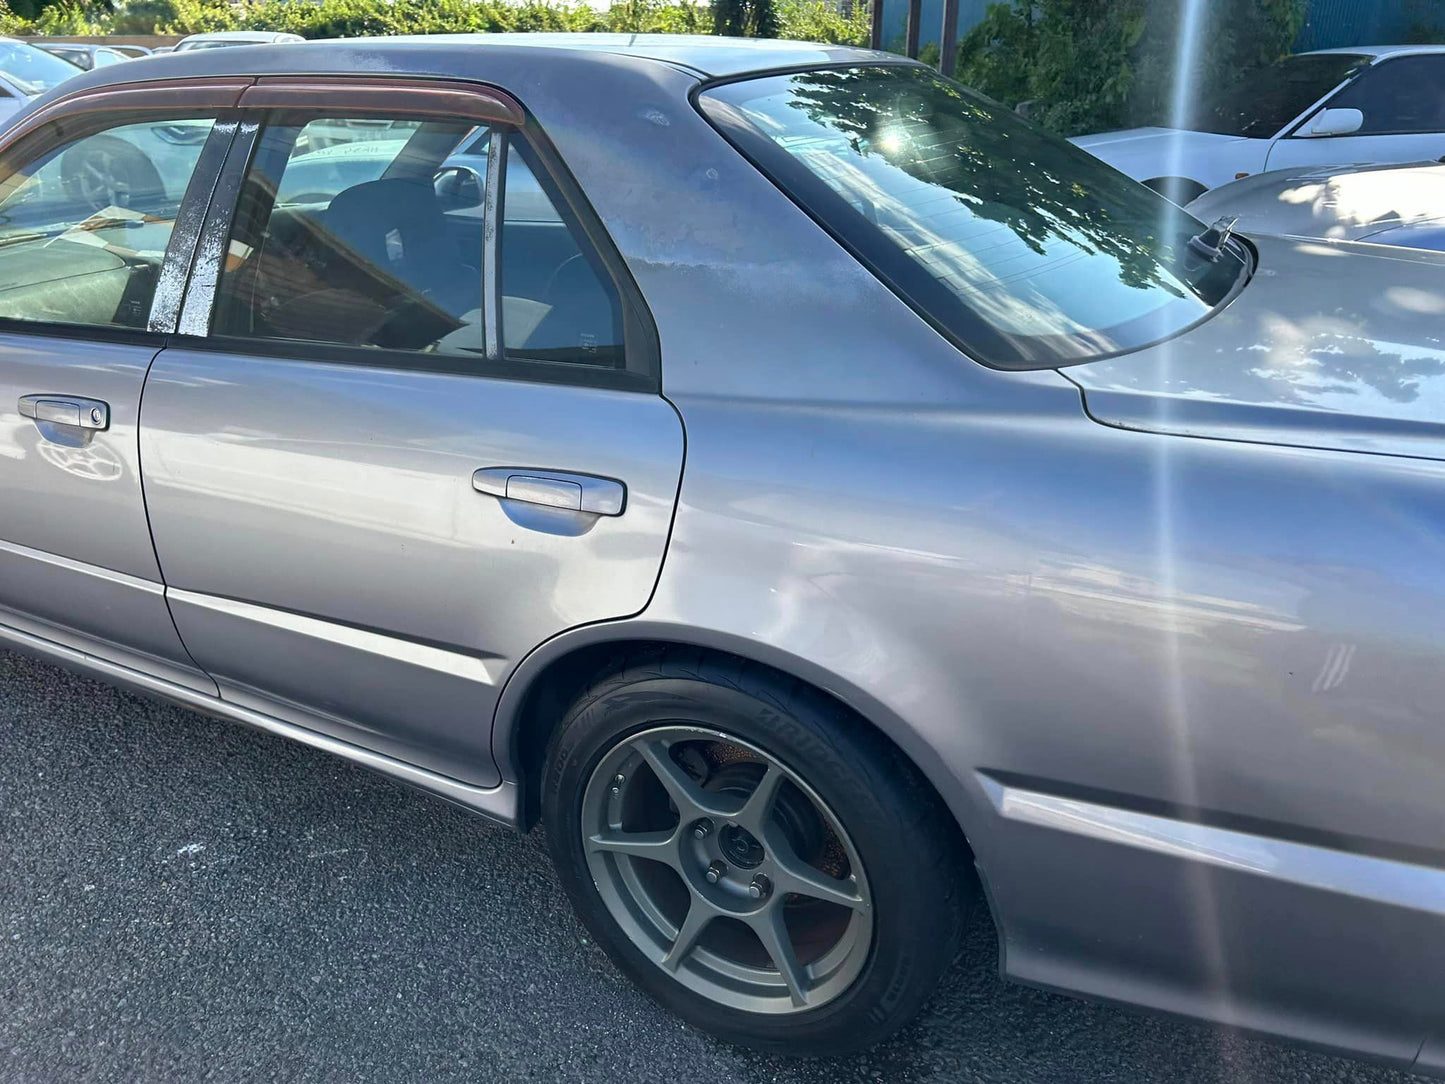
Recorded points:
1264,101
1025,250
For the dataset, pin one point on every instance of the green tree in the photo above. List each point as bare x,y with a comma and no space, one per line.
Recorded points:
810,20
1071,58
814,20
1087,65
745,18
1233,38
28,10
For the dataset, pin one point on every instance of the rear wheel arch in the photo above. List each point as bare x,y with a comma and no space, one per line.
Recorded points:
547,682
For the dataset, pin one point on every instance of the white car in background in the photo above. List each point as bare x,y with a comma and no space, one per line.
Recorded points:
226,38
1388,205
25,73
1372,104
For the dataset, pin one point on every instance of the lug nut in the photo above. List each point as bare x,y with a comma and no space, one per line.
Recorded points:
702,829
760,887
714,873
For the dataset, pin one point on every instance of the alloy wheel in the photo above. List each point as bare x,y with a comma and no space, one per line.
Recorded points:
726,869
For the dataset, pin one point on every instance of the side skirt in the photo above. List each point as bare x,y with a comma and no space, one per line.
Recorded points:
499,803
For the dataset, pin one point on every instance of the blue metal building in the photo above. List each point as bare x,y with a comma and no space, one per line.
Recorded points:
1334,23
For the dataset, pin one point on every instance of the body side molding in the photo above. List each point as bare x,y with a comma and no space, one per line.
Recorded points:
499,803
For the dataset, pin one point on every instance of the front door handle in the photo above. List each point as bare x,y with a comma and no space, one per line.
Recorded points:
66,410
553,489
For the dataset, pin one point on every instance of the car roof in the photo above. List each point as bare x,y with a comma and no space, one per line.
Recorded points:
234,35
708,54
426,55
1378,51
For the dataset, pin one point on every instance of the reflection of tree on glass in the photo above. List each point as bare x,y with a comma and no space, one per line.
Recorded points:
969,145
1021,245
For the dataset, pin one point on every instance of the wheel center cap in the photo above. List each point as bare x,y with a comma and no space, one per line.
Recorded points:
740,847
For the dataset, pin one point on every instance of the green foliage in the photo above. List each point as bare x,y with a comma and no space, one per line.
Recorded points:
70,18
1071,58
1234,37
745,18
1087,65
996,56
809,20
1424,33
814,20
19,14
1424,22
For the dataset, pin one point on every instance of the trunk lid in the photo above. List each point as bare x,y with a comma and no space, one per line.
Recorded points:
1331,345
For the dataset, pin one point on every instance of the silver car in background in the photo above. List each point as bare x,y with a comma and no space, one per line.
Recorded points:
224,39
824,500
1383,205
83,56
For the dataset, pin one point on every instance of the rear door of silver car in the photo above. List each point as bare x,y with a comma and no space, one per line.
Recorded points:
393,449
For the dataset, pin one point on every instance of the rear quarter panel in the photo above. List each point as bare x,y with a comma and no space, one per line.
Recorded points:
1239,636
1206,631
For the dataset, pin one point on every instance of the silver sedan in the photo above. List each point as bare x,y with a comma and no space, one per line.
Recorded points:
826,501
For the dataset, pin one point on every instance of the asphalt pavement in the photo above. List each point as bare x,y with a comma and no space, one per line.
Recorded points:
182,899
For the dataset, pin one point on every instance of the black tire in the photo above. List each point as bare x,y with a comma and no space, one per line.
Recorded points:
105,170
920,892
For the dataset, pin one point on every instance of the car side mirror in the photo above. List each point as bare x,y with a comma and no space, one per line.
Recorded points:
458,188
1334,122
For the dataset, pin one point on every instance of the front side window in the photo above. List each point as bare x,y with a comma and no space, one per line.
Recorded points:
1263,102
84,226
367,232
1400,96
1026,250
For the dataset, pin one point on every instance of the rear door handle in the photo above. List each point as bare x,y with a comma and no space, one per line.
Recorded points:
553,489
66,410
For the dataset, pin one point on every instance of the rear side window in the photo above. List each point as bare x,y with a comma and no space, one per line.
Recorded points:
1025,250
368,232
84,225
1399,96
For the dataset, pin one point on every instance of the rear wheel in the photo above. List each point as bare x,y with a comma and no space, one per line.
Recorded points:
755,858
106,171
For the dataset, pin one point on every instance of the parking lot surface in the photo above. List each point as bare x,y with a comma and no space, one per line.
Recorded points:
186,900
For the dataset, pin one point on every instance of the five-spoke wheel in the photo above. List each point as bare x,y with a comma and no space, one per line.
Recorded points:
754,856
727,869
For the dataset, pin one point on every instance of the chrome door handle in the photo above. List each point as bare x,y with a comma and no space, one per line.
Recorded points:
66,410
553,489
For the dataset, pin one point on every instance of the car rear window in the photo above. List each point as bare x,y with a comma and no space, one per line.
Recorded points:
1025,250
